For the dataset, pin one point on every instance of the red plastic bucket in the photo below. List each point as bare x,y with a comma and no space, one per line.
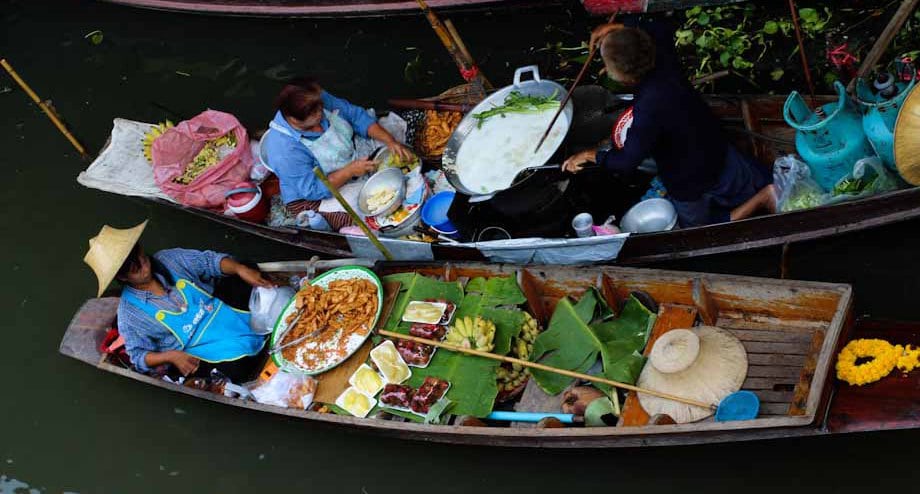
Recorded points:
247,202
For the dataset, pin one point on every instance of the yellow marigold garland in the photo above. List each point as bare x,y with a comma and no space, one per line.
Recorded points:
884,355
908,358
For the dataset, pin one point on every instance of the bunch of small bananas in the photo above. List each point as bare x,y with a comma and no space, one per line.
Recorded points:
152,135
521,347
476,334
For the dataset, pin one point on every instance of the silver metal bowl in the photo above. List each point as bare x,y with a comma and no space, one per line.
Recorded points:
390,178
650,215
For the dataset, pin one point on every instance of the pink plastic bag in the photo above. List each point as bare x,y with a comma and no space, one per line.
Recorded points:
176,148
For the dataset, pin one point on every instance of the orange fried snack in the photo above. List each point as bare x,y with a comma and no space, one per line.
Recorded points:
439,125
330,317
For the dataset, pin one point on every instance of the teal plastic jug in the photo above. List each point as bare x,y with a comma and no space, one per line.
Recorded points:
829,140
880,109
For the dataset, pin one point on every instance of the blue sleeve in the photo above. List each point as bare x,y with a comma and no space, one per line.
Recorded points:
196,265
299,182
358,117
138,342
293,164
640,140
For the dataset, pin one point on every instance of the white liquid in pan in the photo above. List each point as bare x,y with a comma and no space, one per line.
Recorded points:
492,155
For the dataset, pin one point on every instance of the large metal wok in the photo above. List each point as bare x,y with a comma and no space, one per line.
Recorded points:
534,87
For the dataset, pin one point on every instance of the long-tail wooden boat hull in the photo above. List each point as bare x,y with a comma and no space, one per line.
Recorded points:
308,8
792,331
757,125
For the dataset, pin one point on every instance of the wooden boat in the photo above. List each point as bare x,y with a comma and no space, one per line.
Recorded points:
369,8
757,125
792,331
309,8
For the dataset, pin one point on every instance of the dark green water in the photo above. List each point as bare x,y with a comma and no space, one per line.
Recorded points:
67,427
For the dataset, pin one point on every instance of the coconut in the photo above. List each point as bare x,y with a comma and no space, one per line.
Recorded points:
704,364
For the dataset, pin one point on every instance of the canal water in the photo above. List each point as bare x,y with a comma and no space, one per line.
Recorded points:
65,427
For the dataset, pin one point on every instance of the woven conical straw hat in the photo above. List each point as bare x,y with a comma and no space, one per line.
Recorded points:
108,251
907,139
704,364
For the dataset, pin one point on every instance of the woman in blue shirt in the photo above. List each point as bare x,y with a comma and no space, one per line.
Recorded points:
314,128
707,179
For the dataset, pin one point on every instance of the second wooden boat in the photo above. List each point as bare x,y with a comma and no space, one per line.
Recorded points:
757,124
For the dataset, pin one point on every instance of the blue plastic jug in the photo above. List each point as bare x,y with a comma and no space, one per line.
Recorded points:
829,140
880,112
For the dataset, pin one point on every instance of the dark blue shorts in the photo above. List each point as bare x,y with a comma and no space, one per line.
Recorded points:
741,178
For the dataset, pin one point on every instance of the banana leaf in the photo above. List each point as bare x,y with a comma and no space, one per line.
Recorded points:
417,287
500,290
572,342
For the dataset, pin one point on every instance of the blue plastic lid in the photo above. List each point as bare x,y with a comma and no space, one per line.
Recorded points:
740,405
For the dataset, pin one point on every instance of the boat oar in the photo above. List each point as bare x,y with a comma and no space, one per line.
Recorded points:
351,212
52,115
538,366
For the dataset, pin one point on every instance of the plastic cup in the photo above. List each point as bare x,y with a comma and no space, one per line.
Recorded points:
583,224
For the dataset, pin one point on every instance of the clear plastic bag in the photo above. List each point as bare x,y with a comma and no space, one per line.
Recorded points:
795,187
286,390
868,178
265,305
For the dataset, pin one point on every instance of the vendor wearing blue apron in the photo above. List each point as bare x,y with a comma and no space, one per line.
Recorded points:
167,315
314,128
707,179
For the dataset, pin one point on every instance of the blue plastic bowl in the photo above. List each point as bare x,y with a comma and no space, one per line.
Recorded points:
434,212
740,405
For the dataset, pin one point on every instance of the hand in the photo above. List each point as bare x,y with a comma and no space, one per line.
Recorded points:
361,166
253,277
185,363
575,162
400,150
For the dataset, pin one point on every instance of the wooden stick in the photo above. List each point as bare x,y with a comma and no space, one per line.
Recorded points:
351,212
568,95
798,36
538,366
448,42
881,45
41,104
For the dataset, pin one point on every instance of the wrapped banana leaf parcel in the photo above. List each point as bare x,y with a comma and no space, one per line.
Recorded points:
539,356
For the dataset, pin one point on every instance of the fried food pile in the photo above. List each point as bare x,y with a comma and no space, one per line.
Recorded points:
439,125
332,320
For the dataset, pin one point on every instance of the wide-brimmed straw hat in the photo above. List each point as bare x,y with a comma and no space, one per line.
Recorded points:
704,364
108,251
906,140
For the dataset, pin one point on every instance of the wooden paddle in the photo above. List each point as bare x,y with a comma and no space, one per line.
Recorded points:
535,365
52,115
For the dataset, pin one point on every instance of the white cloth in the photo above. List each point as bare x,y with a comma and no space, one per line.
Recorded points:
121,167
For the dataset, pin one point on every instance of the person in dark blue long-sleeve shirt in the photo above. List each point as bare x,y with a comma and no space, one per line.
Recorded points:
706,178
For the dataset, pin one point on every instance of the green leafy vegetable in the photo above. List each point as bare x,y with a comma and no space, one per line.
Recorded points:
573,342
516,102
853,186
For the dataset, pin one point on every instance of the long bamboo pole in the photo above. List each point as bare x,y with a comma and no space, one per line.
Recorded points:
448,41
41,104
798,36
881,45
538,366
351,212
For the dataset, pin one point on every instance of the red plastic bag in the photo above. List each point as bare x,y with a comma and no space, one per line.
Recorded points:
177,147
